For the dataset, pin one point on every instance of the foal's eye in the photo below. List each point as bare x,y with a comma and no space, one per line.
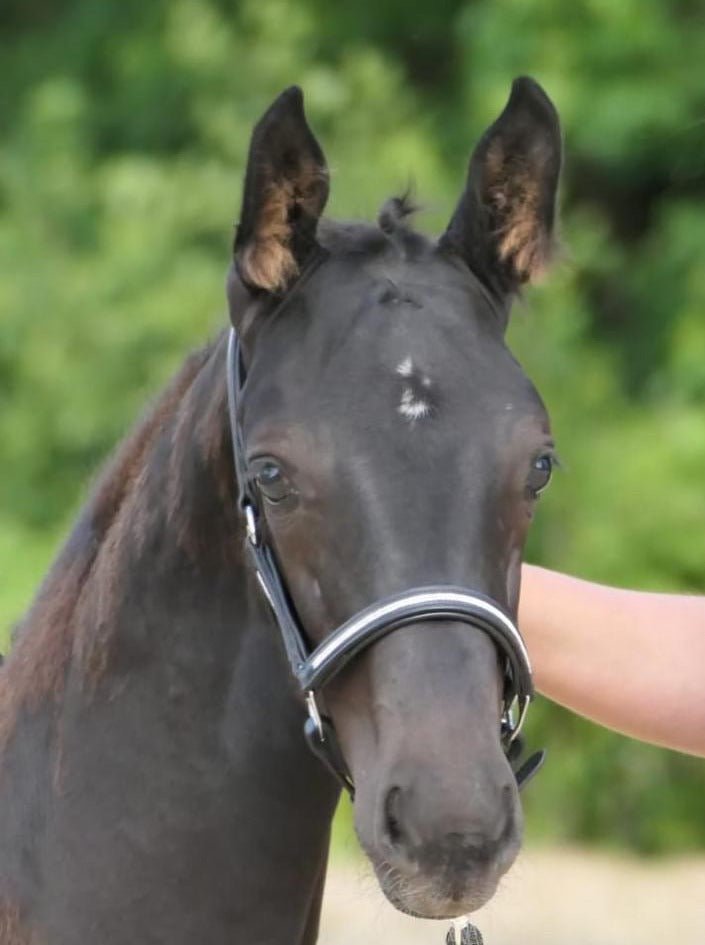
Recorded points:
272,482
540,475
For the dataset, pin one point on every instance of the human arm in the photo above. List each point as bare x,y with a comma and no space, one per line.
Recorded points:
630,660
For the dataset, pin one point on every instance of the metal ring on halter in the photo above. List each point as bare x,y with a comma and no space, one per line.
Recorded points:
511,725
313,712
523,709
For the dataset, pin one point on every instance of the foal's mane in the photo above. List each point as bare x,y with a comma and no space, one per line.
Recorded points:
48,637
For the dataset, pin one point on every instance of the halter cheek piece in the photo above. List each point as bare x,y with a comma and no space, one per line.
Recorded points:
313,668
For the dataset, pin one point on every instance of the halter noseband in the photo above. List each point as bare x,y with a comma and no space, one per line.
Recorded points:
314,667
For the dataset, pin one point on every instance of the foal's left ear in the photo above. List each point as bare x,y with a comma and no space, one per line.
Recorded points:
503,224
286,188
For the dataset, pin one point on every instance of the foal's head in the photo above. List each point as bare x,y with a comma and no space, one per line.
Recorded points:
395,442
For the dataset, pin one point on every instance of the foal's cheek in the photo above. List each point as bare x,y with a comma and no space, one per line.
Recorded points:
349,701
514,579
298,563
311,607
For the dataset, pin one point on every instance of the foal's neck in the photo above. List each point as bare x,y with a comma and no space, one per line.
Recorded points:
161,517
151,649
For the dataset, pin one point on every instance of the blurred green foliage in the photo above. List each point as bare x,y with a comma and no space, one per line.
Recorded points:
125,128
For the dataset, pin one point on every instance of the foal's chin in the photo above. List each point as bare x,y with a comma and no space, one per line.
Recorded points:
443,896
452,880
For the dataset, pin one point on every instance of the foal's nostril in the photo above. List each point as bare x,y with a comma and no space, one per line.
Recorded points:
392,817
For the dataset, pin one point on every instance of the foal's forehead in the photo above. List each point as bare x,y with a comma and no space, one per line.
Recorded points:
396,328
406,312
390,291
415,335
377,345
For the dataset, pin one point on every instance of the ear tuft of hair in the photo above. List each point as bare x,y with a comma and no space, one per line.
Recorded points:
285,191
503,225
268,261
524,243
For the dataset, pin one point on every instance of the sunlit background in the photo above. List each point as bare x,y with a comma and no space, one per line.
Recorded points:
125,126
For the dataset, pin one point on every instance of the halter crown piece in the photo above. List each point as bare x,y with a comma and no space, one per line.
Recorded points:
314,667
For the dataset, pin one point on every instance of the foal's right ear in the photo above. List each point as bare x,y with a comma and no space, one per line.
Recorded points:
286,188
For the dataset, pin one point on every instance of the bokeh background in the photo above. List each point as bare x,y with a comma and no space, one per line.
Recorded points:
124,130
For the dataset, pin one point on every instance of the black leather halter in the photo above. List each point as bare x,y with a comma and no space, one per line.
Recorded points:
314,667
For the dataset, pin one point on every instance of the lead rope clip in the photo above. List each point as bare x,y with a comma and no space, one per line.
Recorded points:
469,933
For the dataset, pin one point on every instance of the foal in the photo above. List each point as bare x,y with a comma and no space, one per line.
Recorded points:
154,782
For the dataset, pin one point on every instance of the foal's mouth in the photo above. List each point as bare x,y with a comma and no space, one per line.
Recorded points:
426,897
456,884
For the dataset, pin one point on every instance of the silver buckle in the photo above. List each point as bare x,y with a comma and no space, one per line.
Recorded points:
313,712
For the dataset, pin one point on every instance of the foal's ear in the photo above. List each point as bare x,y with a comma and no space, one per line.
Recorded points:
503,224
286,188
